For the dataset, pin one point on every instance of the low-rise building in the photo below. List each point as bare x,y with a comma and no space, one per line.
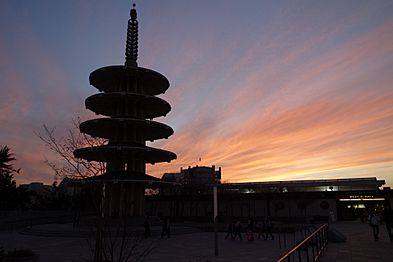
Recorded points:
38,187
198,180
298,200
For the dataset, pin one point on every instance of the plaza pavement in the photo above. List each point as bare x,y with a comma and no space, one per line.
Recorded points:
186,245
360,245
199,247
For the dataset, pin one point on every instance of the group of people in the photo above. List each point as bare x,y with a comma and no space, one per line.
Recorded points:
374,220
234,230
263,229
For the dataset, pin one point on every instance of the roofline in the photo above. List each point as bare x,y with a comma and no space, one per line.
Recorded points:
366,180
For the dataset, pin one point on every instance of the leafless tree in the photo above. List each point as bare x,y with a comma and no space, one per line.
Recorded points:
69,166
110,243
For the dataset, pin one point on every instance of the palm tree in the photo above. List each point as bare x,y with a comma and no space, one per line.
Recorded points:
5,158
8,191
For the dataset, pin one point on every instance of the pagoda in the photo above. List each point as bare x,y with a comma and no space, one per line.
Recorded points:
128,100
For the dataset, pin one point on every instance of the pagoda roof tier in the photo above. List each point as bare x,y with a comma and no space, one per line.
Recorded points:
112,128
112,79
108,153
107,104
124,176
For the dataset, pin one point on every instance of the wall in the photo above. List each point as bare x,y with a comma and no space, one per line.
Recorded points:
239,205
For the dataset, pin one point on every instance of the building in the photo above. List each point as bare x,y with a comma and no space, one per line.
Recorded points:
299,200
193,180
324,185
38,188
344,198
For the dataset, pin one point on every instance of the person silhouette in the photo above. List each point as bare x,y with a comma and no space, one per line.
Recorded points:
237,230
375,221
165,228
268,228
146,225
230,230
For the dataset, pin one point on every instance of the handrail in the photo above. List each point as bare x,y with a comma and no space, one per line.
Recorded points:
320,235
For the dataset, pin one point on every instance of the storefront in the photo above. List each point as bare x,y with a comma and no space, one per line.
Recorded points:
357,206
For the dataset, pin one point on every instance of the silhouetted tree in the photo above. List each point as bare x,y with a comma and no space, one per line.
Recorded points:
69,166
119,245
6,157
7,182
10,196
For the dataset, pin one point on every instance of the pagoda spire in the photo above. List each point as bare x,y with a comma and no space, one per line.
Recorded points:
132,39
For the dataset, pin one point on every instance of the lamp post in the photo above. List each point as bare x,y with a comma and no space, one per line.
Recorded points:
215,206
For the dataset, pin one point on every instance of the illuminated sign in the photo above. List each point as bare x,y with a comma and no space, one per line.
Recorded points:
362,198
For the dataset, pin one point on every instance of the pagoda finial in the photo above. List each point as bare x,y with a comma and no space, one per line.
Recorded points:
132,39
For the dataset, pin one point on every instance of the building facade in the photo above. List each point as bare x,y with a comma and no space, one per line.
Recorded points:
301,200
198,180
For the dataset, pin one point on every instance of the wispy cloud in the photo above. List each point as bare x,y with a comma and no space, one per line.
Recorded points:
325,119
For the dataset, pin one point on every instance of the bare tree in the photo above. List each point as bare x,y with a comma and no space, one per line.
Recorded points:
110,243
68,165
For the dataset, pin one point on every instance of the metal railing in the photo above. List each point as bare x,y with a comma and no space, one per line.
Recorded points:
310,249
289,234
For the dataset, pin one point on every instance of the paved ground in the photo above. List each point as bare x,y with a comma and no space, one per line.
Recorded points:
49,248
360,245
183,246
199,247
194,246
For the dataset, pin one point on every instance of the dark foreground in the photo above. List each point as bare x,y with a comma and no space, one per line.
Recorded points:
192,245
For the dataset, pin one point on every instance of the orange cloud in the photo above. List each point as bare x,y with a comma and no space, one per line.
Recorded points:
322,122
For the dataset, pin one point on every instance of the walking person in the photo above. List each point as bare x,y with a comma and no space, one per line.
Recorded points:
230,230
165,228
261,229
250,229
375,221
146,225
268,229
237,230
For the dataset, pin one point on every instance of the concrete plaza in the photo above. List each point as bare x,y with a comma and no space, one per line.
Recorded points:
360,245
190,244
185,244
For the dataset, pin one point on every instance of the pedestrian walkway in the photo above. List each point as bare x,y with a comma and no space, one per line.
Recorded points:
193,246
199,247
59,249
360,245
58,244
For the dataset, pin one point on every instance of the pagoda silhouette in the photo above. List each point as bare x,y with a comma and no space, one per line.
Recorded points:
128,100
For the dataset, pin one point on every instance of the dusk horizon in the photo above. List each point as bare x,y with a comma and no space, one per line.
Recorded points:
269,91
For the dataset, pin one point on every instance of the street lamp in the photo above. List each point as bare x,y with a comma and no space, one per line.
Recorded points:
215,207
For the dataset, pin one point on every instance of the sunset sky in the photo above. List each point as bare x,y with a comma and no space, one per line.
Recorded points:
268,90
